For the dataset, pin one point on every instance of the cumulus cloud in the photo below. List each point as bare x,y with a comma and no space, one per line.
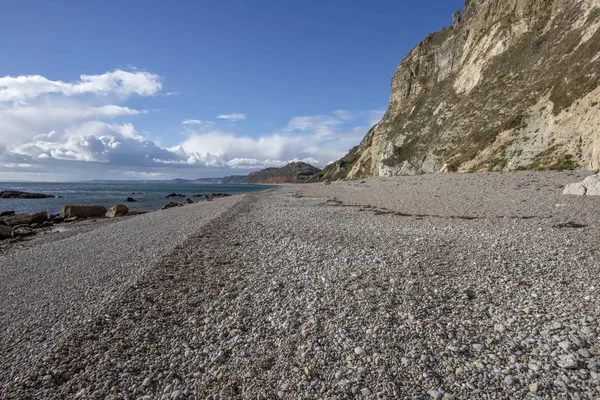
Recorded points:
23,88
232,117
75,130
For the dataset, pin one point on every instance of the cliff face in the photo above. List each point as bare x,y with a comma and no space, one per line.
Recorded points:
513,84
297,172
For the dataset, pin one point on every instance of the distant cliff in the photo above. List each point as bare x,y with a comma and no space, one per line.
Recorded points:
297,172
513,84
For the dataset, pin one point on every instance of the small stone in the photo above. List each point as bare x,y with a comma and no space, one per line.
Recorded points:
147,382
533,387
434,394
404,362
509,380
366,392
281,394
359,351
499,328
567,361
534,366
285,387
477,347
584,353
177,394
587,331
448,396
565,345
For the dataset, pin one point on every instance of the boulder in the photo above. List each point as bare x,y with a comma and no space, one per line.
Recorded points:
208,197
6,213
117,211
592,185
175,195
23,231
5,232
15,194
25,219
574,189
82,211
326,182
130,200
189,201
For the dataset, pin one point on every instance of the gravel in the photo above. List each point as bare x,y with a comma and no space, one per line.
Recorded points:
352,290
59,283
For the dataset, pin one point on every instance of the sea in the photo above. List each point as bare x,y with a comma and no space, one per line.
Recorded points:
148,196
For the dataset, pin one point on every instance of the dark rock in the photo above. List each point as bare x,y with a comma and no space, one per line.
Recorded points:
171,204
189,201
82,211
70,219
5,232
6,213
47,224
175,195
25,219
208,197
15,194
35,225
130,200
135,212
23,231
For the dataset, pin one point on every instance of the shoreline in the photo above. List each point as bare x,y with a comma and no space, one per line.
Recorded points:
371,288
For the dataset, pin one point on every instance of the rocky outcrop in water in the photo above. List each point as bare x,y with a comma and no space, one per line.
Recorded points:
511,85
15,194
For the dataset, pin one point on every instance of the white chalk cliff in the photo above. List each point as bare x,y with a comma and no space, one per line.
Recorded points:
513,84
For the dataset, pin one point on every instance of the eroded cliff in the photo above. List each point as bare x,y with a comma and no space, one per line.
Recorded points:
513,84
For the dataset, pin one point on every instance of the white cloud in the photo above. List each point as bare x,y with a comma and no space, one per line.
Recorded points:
24,88
343,115
49,132
232,117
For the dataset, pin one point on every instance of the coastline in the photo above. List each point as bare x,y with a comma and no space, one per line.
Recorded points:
373,288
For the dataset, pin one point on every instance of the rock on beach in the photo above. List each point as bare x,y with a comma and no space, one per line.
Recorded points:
82,211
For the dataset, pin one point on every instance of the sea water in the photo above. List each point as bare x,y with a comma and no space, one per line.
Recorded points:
148,195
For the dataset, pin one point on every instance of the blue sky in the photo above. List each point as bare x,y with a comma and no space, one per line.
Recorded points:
289,79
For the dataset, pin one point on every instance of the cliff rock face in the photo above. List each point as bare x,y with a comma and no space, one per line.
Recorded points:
513,84
296,172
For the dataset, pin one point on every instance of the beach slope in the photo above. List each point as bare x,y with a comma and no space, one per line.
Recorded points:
442,286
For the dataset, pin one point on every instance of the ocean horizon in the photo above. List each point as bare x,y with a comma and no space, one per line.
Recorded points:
148,195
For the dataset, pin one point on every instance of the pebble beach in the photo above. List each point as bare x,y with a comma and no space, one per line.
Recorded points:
445,286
